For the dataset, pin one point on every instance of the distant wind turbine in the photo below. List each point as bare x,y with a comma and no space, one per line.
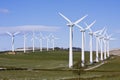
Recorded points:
53,41
70,25
83,39
101,38
101,48
33,41
25,37
47,40
91,33
12,36
97,36
105,46
108,39
40,38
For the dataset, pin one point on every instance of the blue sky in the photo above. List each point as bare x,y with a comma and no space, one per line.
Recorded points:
44,13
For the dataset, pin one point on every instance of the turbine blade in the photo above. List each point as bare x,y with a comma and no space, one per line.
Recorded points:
103,30
9,33
79,26
97,31
91,25
76,22
65,17
87,25
16,33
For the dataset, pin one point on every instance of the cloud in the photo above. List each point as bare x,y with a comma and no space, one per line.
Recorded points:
4,11
26,28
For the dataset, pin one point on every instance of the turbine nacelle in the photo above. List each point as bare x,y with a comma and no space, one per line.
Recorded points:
106,38
91,33
102,37
96,35
83,30
70,24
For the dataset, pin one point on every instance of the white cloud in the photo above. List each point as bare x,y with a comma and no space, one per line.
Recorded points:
26,28
4,11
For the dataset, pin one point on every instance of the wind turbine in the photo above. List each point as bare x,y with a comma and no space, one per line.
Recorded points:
83,39
97,36
105,46
25,37
70,25
47,40
91,33
108,38
33,41
53,41
101,48
101,38
40,38
12,36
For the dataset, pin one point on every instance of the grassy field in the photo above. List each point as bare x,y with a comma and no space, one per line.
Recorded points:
109,71
36,60
39,59
53,65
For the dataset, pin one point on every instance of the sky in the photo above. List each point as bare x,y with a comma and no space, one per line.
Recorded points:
42,16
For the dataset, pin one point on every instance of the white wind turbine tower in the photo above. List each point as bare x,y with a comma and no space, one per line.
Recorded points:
82,30
40,38
33,41
47,40
12,36
53,41
70,25
25,37
91,33
101,48
108,38
102,40
105,53
101,43
97,36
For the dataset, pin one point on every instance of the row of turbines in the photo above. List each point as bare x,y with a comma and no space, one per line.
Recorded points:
101,36
50,38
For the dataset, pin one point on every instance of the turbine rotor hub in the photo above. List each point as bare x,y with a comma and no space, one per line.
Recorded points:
83,30
90,33
70,24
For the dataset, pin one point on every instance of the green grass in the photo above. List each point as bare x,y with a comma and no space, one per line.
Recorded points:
56,65
112,64
37,59
35,75
108,71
